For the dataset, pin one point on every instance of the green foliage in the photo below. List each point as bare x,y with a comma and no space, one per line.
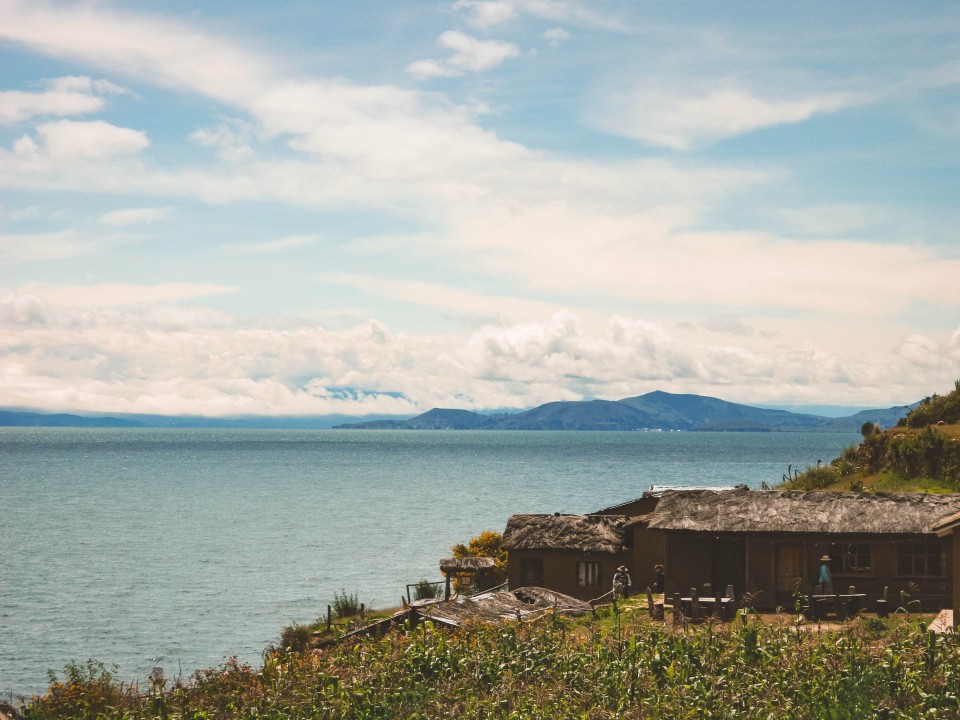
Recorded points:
345,604
542,669
936,408
814,478
295,637
926,454
425,590
86,691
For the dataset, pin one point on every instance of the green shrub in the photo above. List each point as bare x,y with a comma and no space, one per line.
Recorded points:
936,408
425,590
815,478
295,637
926,454
345,604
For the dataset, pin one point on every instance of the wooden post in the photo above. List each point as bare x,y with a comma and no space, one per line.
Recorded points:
677,609
329,617
446,592
362,610
695,604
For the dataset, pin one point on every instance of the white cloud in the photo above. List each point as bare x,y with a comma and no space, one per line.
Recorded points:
58,245
476,55
556,36
489,13
234,140
663,115
426,69
273,247
71,95
445,298
16,106
76,140
730,324
921,351
129,349
133,216
170,53
120,295
469,55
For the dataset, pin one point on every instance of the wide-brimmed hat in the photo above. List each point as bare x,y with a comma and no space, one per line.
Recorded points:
623,568
825,558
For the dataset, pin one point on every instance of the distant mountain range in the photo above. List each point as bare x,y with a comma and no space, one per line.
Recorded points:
24,418
653,411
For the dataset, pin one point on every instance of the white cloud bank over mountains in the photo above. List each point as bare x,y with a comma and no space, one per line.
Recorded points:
150,356
282,230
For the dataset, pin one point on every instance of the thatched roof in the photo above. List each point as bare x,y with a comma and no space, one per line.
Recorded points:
586,533
505,605
774,511
466,564
946,525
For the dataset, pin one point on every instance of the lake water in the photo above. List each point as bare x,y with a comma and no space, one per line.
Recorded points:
181,548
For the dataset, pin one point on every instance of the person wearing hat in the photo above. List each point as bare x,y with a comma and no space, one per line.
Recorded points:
621,583
825,581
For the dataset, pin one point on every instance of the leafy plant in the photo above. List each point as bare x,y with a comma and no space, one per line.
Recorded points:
345,604
814,478
425,590
935,409
295,637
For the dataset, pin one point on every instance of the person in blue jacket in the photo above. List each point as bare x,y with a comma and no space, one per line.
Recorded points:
826,582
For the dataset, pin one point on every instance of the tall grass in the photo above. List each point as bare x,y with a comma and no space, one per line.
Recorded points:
555,669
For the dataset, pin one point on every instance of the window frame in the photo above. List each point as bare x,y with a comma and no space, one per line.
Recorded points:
847,558
921,550
588,570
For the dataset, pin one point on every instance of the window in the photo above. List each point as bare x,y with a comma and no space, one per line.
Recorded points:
588,574
853,558
531,572
919,559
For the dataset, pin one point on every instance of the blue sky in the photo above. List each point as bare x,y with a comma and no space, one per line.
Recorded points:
367,207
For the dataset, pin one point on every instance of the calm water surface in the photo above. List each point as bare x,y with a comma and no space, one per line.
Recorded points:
181,548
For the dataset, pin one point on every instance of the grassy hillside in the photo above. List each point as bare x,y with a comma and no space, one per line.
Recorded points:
922,453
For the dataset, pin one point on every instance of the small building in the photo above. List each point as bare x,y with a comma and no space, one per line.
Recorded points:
467,572
769,543
947,527
576,555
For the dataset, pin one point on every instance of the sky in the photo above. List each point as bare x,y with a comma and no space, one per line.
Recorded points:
303,207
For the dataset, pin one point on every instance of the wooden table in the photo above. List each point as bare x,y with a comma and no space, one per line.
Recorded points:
843,605
708,606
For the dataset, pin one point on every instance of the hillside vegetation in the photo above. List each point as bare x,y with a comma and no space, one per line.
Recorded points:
922,453
623,666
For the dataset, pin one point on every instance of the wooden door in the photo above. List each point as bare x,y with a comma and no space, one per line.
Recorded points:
789,571
729,565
